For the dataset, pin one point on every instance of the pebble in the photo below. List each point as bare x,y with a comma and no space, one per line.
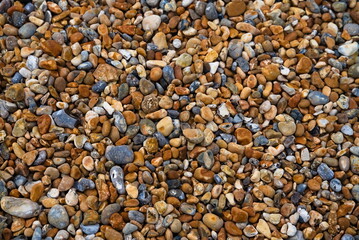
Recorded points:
325,172
63,119
20,207
58,217
119,154
212,221
318,98
164,119
27,30
151,23
117,178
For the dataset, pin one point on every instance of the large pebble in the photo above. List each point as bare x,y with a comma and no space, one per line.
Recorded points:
20,207
119,154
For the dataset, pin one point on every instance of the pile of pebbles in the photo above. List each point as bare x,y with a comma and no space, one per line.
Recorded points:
192,119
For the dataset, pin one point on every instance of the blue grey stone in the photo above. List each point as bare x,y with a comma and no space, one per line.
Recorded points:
132,130
99,86
29,7
84,184
27,30
168,73
37,234
123,91
58,217
85,66
17,78
317,98
132,80
152,3
62,119
347,237
120,121
336,185
347,130
3,189
162,141
200,8
211,11
301,187
173,183
84,56
325,172
298,236
136,216
19,181
32,62
242,64
119,154
129,228
235,48
352,29
144,197
89,33
177,193
355,192
260,141
194,86
355,91
139,139
117,175
90,229
40,159
18,18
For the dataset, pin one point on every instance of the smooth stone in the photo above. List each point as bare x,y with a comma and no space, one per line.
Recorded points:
355,192
235,48
99,86
287,128
62,119
349,49
20,207
213,221
119,154
129,228
58,217
262,227
120,121
18,18
325,172
347,237
336,185
90,229
211,11
353,71
117,175
136,216
27,30
352,29
146,86
165,126
151,23
184,60
195,136
317,98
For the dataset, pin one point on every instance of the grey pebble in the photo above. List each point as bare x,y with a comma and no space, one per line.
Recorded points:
27,30
58,217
